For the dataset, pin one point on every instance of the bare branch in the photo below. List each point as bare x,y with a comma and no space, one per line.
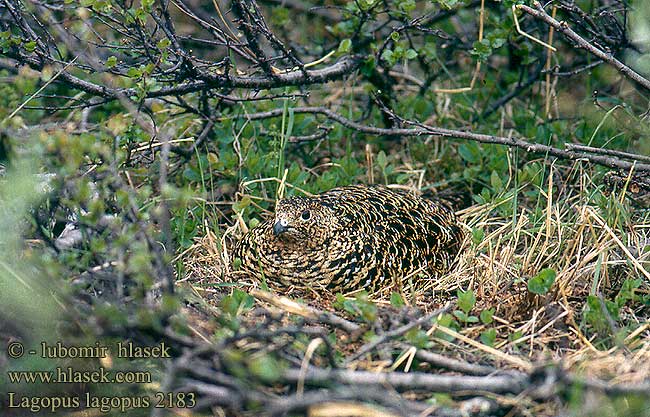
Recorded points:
295,78
562,27
413,380
420,129
398,332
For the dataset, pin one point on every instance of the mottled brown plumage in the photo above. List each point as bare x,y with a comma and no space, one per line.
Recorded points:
351,237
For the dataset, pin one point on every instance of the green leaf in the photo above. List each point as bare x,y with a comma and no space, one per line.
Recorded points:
396,300
192,174
361,306
446,320
381,160
147,69
542,282
164,43
239,206
368,66
447,4
495,181
460,315
470,152
488,337
466,300
406,5
30,46
627,290
613,309
266,368
290,123
477,235
486,316
516,336
345,46
394,36
497,42
418,338
236,303
111,62
236,264
482,49
389,57
134,72
594,315
411,54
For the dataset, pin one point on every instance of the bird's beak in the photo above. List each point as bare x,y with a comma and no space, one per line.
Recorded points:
279,228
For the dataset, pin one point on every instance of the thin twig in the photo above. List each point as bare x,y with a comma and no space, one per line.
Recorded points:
423,130
611,152
413,380
539,13
398,332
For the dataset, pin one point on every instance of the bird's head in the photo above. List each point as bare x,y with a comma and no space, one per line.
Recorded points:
303,220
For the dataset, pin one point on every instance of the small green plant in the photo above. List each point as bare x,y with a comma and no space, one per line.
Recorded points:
486,316
603,316
418,338
466,302
361,307
236,303
477,236
267,368
446,320
396,300
541,283
489,336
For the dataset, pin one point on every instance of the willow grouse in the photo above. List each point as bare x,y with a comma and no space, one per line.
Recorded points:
351,237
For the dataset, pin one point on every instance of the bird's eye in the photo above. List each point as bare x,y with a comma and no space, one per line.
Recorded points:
305,215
